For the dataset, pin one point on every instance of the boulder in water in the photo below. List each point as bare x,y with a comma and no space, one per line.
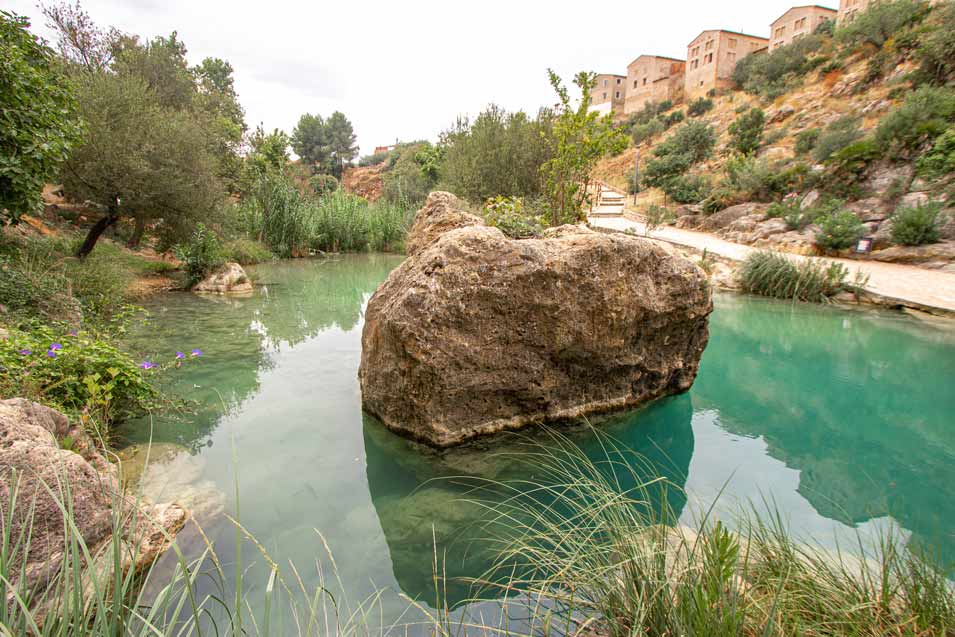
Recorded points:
476,333
229,279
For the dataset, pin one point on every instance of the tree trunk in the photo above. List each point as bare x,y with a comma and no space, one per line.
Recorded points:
138,231
97,230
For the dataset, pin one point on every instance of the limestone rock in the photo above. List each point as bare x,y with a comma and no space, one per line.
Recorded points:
31,437
724,218
888,176
229,279
811,199
442,212
871,209
688,210
479,333
935,253
946,224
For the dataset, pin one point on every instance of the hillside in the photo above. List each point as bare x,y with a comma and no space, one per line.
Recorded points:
780,195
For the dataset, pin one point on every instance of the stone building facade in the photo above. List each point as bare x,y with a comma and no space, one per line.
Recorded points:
849,8
712,56
798,22
609,94
653,78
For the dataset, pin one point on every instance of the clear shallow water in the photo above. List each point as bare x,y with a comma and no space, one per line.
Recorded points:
843,420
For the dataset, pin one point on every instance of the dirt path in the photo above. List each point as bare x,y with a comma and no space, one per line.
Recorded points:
905,285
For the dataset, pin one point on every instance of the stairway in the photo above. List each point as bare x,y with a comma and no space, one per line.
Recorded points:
608,202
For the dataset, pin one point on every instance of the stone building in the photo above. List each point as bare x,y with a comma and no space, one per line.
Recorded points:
653,78
608,94
713,55
798,22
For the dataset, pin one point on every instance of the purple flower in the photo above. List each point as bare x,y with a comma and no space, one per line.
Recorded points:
55,346
180,356
25,352
147,365
197,352
51,354
74,333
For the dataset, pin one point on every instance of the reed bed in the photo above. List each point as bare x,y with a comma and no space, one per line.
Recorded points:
771,274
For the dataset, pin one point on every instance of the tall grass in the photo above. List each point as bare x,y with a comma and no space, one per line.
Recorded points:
586,546
294,224
774,275
586,540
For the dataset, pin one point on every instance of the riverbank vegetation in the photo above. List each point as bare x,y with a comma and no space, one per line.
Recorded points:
776,275
586,545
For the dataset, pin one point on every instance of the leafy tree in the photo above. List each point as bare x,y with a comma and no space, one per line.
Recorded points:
269,151
342,142
38,121
581,137
747,131
139,160
80,41
310,141
409,178
499,154
161,64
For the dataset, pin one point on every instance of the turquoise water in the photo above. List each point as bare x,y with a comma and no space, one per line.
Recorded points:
842,420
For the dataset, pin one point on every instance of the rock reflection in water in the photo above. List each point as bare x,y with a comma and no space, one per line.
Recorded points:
426,498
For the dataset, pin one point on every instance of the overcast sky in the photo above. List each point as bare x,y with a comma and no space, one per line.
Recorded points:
407,69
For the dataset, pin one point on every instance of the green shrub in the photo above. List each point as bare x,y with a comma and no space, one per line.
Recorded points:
746,133
374,159
806,141
348,223
687,189
769,75
826,28
880,22
100,282
76,372
699,106
937,47
836,136
247,252
509,216
322,185
917,225
848,167
407,181
674,118
775,275
939,162
202,255
754,179
657,216
645,132
789,211
926,113
33,283
692,143
839,230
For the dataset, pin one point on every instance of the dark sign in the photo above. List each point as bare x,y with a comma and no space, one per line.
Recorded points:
865,245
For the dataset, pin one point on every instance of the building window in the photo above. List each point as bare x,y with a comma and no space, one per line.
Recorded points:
644,81
731,57
605,96
732,43
636,83
708,59
616,95
709,46
780,32
801,23
618,81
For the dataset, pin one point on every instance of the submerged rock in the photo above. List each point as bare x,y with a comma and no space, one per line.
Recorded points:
47,462
229,279
478,333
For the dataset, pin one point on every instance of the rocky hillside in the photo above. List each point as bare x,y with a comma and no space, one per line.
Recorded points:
864,131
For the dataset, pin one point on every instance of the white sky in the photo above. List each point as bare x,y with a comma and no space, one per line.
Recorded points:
407,69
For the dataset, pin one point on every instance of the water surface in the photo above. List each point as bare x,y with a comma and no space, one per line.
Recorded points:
842,420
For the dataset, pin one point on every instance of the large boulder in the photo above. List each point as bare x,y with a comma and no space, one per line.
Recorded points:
441,213
724,218
47,463
229,279
479,333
